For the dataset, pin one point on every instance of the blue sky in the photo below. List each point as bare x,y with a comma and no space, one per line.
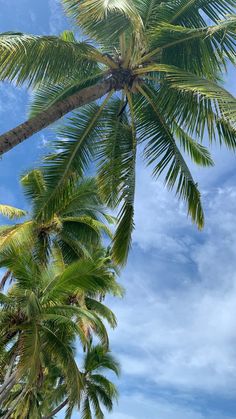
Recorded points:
176,335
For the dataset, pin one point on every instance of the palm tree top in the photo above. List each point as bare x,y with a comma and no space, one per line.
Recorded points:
75,223
165,59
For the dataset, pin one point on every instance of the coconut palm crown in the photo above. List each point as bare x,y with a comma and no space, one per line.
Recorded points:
42,314
74,226
149,75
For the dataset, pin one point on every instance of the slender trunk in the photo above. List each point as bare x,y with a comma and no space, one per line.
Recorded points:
6,391
58,408
9,370
7,381
4,279
87,95
11,410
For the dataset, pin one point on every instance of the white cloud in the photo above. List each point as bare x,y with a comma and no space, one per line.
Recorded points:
185,340
136,406
177,323
44,142
158,215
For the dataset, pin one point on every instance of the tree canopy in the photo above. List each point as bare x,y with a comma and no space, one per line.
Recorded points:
159,66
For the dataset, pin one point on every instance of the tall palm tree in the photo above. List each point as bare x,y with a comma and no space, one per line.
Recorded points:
97,388
165,59
74,226
39,325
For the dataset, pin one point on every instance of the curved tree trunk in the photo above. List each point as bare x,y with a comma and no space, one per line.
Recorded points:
6,388
58,409
87,95
7,381
11,410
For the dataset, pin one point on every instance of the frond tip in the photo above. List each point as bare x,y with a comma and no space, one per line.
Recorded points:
11,212
162,152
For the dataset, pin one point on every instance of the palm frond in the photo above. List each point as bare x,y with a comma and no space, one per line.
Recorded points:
113,152
106,384
196,116
85,275
195,12
18,233
85,200
95,225
50,93
197,152
11,212
223,101
162,151
64,355
36,59
211,46
99,18
33,184
78,148
86,409
123,233
30,353
101,310
93,396
98,359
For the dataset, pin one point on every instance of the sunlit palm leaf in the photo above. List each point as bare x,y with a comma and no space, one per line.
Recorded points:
49,94
35,59
33,184
74,154
109,18
190,12
11,212
175,44
225,102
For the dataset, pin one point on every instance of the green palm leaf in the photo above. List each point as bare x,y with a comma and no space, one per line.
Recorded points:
102,310
188,12
99,18
225,103
38,59
114,152
81,135
33,184
162,151
198,153
198,117
49,94
176,44
11,212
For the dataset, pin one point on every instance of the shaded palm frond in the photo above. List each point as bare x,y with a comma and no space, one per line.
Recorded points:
162,152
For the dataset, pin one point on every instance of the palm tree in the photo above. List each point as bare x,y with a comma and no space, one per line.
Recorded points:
74,226
97,388
158,64
39,325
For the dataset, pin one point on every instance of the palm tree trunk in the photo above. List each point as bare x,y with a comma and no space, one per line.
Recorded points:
87,95
6,388
9,370
7,381
58,408
11,410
